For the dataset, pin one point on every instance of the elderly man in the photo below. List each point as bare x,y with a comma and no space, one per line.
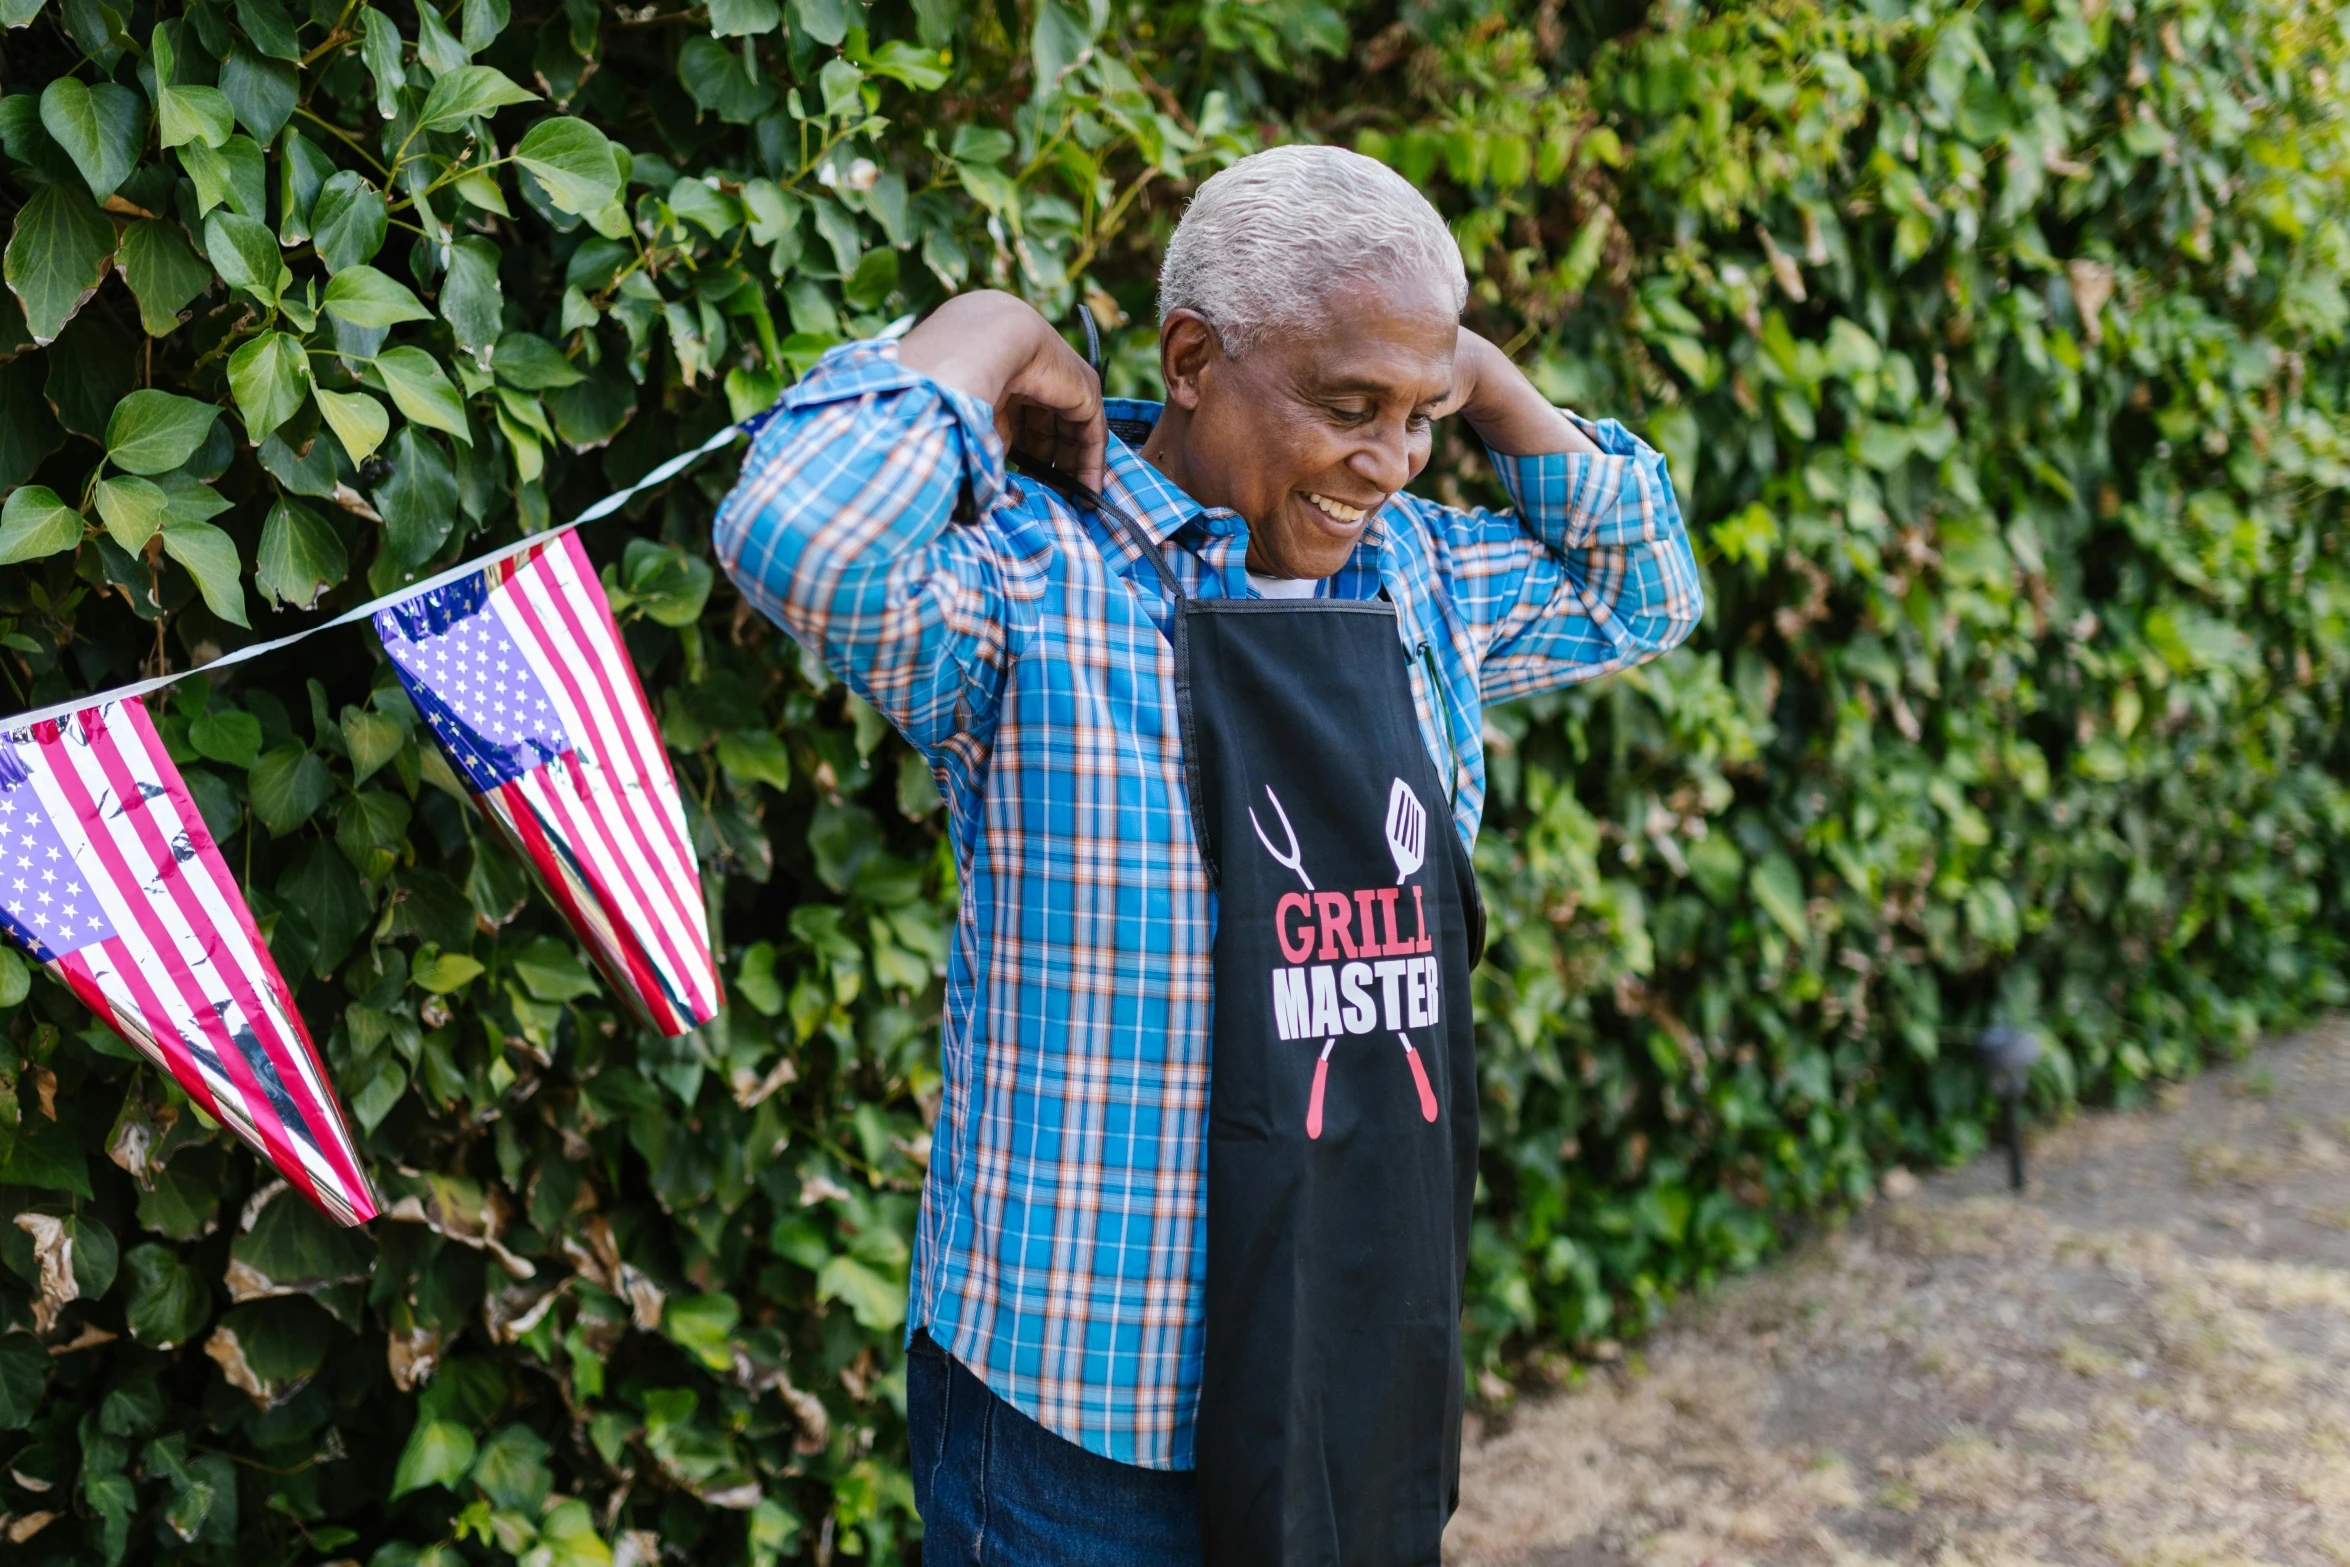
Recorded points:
1203,689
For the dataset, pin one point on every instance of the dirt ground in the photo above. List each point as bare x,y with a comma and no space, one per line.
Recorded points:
2145,1360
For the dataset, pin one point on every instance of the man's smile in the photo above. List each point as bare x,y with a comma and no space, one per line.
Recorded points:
1339,511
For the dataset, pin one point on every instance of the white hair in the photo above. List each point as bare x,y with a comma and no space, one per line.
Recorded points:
1265,241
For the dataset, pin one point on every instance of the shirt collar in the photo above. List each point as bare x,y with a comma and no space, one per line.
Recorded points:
1160,505
1156,501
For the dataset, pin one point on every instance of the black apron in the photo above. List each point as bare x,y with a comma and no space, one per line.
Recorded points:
1342,1126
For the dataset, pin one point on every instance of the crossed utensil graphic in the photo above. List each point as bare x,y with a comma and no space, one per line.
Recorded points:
1407,825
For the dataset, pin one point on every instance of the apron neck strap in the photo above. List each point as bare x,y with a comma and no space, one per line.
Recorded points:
1121,521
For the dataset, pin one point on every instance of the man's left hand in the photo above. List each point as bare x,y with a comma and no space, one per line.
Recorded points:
1503,407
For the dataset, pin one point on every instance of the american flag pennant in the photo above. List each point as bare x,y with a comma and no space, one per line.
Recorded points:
110,877
521,673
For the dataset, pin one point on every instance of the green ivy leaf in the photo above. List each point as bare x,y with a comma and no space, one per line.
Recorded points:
24,1379
878,1303
272,31
261,91
169,1301
875,279
826,21
419,500
348,220
29,430
512,1471
335,904
16,980
421,389
287,787
96,1256
532,363
755,981
1058,38
703,1326
755,756
42,1153
436,46
551,971
467,92
35,523
471,301
669,585
245,254
237,175
373,739
228,735
99,127
482,20
134,510
184,1199
376,1099
163,272
743,18
573,161
442,972
924,70
380,48
269,377
57,256
189,499
1779,889
721,81
358,420
568,1535
293,1245
153,432
363,296
301,556
209,556
439,1452
186,114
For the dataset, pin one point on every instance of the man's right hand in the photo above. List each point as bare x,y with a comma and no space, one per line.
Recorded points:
995,347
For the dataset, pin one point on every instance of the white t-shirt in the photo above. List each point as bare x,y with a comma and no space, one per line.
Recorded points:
1285,587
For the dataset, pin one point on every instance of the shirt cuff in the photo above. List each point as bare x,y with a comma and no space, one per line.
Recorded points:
869,368
1576,494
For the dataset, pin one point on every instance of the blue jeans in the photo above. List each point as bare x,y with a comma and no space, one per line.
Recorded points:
996,1489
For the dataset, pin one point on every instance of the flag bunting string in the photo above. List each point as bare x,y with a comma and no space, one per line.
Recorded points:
604,508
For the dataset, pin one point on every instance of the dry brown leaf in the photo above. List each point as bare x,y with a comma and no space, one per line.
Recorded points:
22,1529
511,1313
2092,283
229,1355
413,1357
53,1250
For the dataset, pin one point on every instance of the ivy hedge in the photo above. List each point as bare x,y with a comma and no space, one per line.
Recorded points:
1999,352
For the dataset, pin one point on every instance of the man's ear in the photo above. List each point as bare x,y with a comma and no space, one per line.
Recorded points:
1187,346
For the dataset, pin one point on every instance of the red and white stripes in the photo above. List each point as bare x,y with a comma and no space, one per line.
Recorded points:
603,827
185,975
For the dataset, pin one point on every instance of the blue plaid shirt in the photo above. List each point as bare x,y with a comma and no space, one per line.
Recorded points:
1059,1253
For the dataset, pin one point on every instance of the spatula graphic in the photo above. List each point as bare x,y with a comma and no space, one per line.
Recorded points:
1407,831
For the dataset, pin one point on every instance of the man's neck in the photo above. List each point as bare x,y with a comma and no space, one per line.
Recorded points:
1165,451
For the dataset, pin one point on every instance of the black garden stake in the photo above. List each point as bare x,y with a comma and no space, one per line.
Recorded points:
2008,1054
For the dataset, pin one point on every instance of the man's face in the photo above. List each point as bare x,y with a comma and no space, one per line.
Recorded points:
1309,434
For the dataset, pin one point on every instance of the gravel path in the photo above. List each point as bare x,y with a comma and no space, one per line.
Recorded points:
2144,1361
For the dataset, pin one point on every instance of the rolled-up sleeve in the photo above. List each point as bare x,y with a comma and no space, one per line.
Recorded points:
1590,571
842,530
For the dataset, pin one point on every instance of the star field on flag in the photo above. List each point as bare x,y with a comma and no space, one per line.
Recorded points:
521,674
